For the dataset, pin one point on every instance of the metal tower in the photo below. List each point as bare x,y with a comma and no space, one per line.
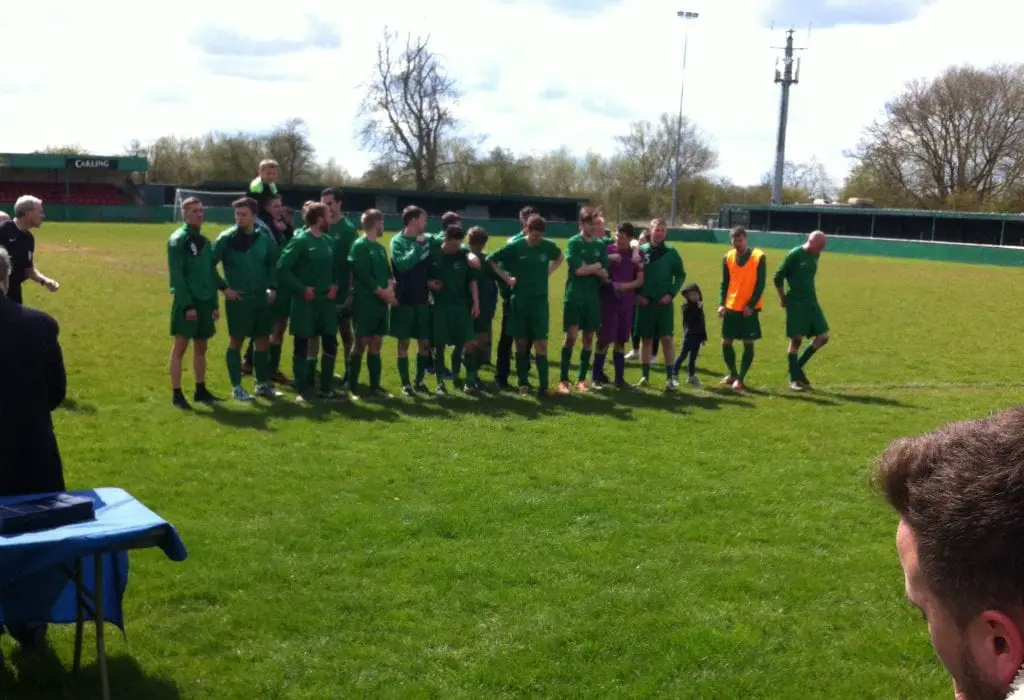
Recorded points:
787,77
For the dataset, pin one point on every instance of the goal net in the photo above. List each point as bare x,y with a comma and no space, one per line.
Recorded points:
216,204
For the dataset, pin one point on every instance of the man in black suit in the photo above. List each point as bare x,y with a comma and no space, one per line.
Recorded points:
33,386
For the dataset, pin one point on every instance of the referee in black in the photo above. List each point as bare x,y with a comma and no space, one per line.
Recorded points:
17,239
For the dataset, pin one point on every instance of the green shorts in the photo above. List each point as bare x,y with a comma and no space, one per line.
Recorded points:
585,315
483,323
313,318
453,325
410,322
528,318
654,321
370,318
736,326
248,320
344,312
805,321
282,306
200,329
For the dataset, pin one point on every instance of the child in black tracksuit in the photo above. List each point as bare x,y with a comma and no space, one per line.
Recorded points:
695,333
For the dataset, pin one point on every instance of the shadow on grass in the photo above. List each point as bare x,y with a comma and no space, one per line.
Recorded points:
866,400
258,416
42,676
72,405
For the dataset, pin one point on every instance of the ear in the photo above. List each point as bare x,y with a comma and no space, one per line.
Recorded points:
1000,645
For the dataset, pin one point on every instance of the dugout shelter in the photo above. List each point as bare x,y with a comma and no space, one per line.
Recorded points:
978,228
73,187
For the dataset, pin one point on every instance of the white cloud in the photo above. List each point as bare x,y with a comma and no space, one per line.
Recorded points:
102,73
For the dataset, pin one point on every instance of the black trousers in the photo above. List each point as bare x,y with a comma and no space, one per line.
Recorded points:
505,343
689,351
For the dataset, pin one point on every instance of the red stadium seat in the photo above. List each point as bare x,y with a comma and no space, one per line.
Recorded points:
86,194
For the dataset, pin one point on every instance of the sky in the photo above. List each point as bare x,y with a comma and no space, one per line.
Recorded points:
536,75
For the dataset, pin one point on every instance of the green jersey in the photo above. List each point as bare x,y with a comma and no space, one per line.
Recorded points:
368,261
799,269
580,252
249,260
452,270
307,261
192,269
663,272
344,234
528,264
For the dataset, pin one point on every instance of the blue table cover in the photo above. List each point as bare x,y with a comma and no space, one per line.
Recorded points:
36,568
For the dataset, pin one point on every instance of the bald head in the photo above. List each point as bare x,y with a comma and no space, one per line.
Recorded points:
4,216
816,242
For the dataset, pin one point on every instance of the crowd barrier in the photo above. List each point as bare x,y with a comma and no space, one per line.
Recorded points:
879,247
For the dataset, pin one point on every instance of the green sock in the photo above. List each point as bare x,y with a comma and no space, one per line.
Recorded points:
327,372
439,365
729,353
794,367
669,371
300,372
523,367
456,362
422,362
585,356
566,361
275,359
261,366
646,369
471,366
373,364
808,354
355,366
234,360
403,369
746,360
542,372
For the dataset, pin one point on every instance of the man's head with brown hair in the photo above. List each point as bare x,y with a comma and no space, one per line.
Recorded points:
535,228
450,218
588,219
372,222
414,220
959,492
659,231
476,237
738,238
245,213
316,216
525,213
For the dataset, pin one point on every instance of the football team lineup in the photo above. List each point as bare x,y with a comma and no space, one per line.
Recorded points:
441,291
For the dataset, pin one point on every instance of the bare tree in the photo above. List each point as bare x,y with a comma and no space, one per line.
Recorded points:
957,140
810,179
290,146
647,153
407,111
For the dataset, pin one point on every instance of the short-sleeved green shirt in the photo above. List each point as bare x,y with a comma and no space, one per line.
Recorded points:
528,264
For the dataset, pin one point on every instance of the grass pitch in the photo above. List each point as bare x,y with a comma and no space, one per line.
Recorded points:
613,545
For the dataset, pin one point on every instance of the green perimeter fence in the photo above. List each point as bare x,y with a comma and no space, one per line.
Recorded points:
921,250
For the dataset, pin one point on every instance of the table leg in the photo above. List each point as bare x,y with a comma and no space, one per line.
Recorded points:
101,650
79,614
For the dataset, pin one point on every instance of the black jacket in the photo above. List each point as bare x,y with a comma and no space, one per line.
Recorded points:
694,327
32,384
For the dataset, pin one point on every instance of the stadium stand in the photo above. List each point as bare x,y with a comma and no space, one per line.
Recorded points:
71,180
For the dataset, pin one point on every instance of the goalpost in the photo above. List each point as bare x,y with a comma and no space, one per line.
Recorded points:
211,200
